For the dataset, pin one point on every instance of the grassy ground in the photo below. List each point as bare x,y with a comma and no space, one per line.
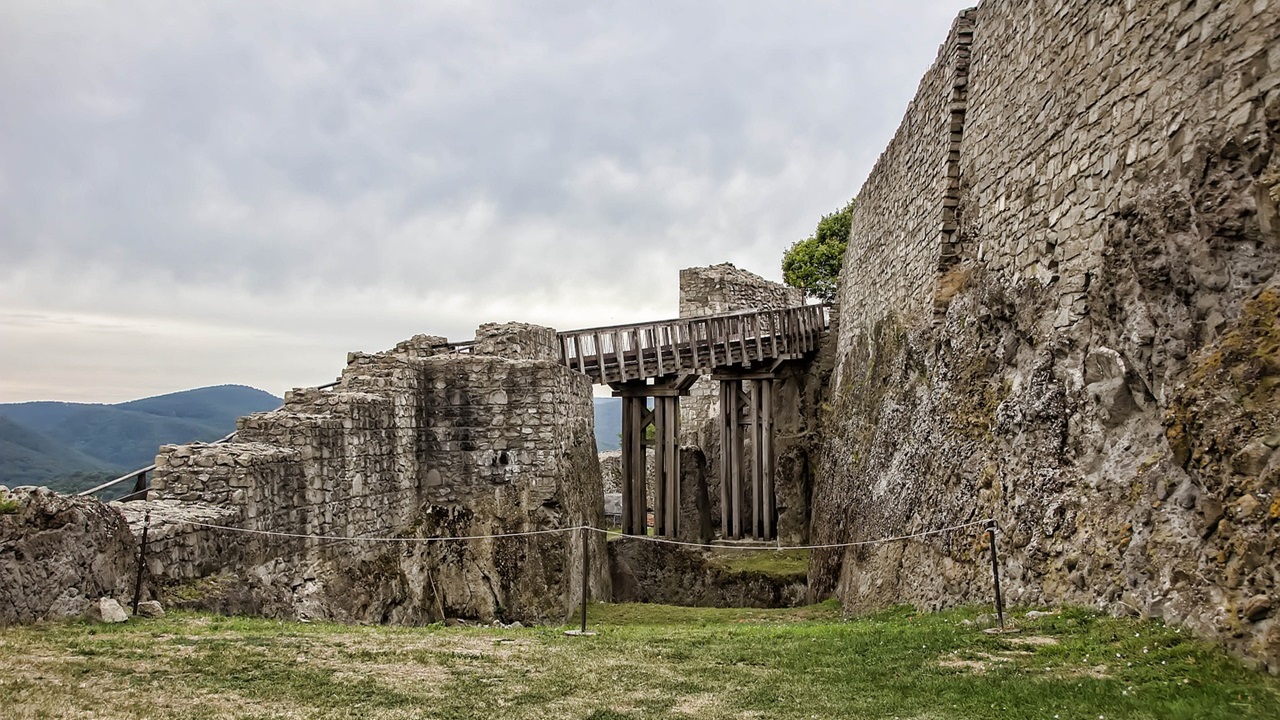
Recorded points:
646,662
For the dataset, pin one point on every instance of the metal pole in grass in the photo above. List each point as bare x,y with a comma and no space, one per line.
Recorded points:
995,574
142,556
586,582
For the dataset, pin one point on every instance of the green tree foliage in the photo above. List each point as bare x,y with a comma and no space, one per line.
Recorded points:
813,264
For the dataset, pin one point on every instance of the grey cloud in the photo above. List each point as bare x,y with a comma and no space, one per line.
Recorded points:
434,150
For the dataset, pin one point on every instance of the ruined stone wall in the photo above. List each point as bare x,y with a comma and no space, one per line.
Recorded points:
414,442
1094,361
725,288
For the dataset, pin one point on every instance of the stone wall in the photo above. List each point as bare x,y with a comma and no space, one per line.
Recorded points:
415,442
904,214
1091,358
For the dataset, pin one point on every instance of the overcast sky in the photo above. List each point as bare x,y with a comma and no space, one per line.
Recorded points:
241,192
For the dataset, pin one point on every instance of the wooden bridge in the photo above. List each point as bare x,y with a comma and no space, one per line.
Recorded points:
623,353
662,360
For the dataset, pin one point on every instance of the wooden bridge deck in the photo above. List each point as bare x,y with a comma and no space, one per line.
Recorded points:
621,353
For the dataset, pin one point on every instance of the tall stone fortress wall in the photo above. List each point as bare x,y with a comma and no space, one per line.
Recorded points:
1059,309
414,442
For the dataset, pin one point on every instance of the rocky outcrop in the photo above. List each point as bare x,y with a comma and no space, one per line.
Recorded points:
60,555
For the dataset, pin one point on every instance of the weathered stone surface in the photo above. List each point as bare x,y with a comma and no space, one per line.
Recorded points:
59,555
107,610
416,442
1066,319
150,609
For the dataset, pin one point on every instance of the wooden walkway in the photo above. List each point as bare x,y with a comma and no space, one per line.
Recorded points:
622,353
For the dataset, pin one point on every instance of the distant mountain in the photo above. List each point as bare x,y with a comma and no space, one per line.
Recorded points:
27,457
45,442
608,423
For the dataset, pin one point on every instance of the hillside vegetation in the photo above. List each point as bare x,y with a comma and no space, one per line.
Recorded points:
646,662
72,446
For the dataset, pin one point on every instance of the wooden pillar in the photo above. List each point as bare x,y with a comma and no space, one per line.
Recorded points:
757,477
634,501
660,519
627,480
734,455
726,437
766,457
672,441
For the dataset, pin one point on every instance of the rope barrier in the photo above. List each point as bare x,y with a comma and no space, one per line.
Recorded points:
353,538
552,531
721,546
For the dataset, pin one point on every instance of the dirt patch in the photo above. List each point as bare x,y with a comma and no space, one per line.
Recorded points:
1033,640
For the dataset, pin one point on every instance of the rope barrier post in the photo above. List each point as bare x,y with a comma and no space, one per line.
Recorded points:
995,574
586,581
585,575
142,556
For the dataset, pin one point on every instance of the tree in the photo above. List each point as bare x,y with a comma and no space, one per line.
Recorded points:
813,264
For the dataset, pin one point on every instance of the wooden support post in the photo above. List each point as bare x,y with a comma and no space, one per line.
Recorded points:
766,458
634,501
673,464
639,494
660,520
627,495
757,465
726,438
734,454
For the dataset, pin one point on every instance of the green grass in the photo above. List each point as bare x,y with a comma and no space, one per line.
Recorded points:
646,662
781,564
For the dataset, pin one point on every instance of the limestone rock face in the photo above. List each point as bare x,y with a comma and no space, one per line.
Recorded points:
59,555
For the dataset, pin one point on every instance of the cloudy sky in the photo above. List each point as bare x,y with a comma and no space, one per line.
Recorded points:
200,193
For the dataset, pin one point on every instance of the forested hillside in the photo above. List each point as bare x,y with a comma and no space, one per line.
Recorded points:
71,446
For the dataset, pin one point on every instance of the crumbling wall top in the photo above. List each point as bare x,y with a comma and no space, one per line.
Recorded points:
726,288
517,341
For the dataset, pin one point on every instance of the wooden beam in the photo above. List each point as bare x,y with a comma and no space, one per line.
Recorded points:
659,415
639,496
726,437
735,455
628,467
757,464
766,456
673,458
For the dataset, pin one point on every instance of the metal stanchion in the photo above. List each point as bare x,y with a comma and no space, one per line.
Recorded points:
586,582
995,575
142,557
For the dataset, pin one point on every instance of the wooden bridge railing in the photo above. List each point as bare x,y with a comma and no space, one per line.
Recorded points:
653,349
